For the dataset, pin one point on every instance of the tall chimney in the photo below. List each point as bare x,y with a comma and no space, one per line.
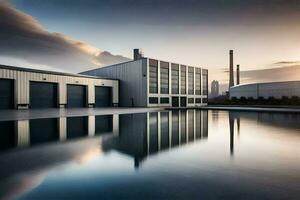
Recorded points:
231,79
238,74
137,54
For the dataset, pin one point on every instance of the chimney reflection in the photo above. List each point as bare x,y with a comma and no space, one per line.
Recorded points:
232,117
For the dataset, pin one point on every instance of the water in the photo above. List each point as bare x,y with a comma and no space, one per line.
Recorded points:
167,155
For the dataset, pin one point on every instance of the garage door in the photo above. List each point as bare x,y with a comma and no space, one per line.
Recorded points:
43,95
77,127
76,95
6,94
43,130
103,96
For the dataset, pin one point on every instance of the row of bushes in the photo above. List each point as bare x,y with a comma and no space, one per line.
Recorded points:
295,100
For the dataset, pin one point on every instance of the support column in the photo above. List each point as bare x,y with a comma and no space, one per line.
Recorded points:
116,124
62,123
91,126
23,135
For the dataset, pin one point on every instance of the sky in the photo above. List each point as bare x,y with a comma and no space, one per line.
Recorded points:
80,34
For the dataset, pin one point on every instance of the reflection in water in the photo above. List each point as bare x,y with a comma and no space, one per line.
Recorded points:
92,156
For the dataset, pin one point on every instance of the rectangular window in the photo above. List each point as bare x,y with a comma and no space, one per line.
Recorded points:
204,100
198,81
183,79
205,82
191,80
198,100
153,76
191,100
164,77
153,100
164,100
175,78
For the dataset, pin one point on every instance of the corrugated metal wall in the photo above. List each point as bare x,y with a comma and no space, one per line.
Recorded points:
23,78
133,81
266,90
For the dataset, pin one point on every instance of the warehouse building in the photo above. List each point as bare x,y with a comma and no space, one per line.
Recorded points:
266,90
24,88
146,82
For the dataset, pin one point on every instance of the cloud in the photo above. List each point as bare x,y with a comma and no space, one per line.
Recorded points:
22,37
285,73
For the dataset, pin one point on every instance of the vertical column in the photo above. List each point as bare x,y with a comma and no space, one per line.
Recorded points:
22,88
179,126
148,82
23,137
115,91
170,79
170,129
187,126
116,124
62,93
194,84
62,123
91,94
148,134
201,87
91,125
194,112
159,131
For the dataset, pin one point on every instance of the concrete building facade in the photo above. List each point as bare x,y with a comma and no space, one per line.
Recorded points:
23,88
266,90
150,82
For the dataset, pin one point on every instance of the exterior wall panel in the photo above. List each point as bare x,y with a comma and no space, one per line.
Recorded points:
22,77
266,90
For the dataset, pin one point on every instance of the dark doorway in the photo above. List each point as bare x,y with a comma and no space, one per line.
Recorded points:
175,101
76,96
43,95
103,96
6,94
182,101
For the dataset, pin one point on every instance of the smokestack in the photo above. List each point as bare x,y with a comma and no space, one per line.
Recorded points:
238,74
137,54
231,79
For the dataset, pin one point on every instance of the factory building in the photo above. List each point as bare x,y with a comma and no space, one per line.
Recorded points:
24,88
266,90
147,82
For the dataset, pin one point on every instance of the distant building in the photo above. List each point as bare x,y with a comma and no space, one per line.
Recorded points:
266,90
214,89
146,82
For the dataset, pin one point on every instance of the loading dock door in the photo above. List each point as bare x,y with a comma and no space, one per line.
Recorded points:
103,96
76,96
182,101
175,101
43,95
6,94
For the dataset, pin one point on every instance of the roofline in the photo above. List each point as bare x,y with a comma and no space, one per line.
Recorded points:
111,65
50,72
247,84
141,59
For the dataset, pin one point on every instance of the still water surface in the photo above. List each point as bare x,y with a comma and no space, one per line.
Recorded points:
167,155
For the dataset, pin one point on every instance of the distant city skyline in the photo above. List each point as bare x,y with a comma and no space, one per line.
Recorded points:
263,34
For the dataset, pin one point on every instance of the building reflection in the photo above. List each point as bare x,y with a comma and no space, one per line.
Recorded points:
146,134
24,133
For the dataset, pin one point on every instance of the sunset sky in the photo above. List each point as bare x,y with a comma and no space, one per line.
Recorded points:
264,34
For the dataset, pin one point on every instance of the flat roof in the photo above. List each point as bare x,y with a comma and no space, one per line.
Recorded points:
278,82
50,72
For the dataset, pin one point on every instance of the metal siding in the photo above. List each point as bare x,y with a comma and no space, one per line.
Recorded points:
22,79
131,79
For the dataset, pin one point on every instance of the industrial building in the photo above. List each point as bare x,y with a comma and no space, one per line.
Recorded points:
146,82
273,89
24,88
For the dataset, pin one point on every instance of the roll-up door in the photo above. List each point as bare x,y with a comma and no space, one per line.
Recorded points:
43,95
103,96
6,94
76,96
